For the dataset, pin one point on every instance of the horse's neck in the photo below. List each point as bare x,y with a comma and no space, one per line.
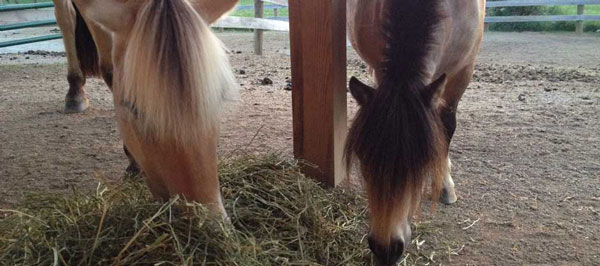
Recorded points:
366,18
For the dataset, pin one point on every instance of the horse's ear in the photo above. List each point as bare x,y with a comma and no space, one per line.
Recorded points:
433,91
211,10
360,91
112,15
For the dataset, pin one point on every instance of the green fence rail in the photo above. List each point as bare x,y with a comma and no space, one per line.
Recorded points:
24,25
33,24
30,40
18,7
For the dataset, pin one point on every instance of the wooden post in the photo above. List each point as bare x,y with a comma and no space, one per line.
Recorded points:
258,34
275,12
579,26
318,53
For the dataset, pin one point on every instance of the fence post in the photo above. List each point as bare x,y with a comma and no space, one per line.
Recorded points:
276,12
579,26
318,52
258,34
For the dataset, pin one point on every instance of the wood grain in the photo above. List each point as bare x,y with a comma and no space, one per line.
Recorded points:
318,50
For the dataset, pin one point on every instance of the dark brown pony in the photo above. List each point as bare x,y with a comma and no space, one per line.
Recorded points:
422,54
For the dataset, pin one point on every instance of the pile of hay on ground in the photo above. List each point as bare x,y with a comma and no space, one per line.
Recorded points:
278,217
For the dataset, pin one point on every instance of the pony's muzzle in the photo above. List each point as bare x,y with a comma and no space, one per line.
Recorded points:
386,255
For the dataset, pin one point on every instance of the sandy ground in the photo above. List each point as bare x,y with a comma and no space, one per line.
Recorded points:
526,153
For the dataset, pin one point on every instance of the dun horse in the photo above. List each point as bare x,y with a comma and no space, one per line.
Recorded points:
170,78
89,49
422,53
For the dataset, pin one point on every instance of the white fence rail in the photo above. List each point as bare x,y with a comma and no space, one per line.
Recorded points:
579,17
259,24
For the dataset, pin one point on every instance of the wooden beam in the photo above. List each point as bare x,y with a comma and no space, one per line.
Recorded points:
259,13
251,23
579,25
318,51
279,2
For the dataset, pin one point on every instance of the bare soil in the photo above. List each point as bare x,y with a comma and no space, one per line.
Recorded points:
526,153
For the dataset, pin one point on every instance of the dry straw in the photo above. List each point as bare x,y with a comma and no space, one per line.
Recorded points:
277,217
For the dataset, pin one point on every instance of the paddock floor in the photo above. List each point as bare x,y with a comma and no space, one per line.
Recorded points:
526,153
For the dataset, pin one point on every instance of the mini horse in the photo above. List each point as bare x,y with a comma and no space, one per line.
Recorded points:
171,79
422,53
89,51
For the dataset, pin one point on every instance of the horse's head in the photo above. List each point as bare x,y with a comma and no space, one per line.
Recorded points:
397,140
119,16
172,79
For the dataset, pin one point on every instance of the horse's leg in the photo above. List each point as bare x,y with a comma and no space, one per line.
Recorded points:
188,170
455,88
103,40
76,100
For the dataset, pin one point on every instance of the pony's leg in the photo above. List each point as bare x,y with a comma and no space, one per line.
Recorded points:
103,40
189,171
452,94
76,100
448,192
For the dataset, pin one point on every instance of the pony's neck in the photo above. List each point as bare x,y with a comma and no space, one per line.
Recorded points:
409,30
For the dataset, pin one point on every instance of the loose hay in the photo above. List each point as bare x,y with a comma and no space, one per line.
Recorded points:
278,217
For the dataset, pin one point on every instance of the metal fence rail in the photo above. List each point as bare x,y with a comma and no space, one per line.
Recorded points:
28,24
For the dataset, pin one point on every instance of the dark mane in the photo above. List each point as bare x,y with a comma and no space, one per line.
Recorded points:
396,135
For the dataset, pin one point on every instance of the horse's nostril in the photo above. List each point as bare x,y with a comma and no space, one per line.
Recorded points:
387,255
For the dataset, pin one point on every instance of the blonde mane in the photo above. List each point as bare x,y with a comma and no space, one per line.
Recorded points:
176,74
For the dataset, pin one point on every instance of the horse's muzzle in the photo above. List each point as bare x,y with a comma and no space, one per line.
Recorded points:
387,255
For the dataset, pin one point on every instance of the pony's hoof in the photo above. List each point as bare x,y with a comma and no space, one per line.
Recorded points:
448,196
133,172
77,105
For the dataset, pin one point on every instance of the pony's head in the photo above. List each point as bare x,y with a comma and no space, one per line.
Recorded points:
171,80
396,138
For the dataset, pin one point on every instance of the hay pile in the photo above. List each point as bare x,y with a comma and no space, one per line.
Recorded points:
278,217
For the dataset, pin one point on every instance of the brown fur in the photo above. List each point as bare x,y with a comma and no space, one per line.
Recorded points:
401,135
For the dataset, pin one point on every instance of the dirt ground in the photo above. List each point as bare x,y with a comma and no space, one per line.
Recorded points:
526,153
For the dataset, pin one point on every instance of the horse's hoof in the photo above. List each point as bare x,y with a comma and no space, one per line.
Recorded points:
78,105
133,172
448,196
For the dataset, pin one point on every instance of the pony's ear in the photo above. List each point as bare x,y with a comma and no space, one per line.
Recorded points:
360,91
112,15
433,91
211,10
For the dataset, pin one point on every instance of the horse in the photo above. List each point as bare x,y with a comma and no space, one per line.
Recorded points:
170,79
89,53
422,55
